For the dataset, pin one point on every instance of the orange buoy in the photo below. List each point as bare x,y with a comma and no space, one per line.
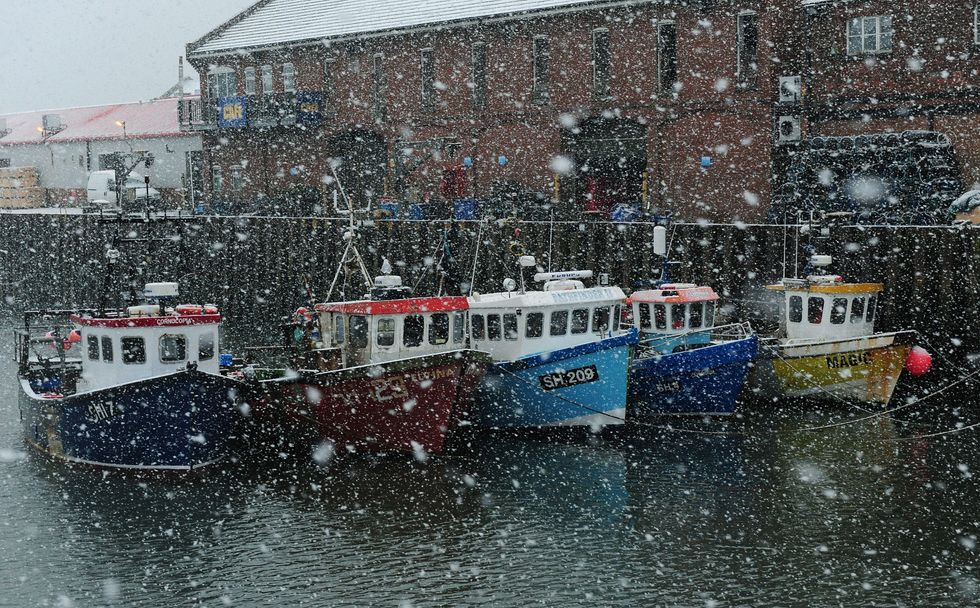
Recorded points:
919,361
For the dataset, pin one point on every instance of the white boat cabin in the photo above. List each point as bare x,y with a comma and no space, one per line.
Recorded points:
823,307
673,308
381,329
511,325
146,341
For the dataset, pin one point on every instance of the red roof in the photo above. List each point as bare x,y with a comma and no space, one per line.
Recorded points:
161,321
156,118
396,307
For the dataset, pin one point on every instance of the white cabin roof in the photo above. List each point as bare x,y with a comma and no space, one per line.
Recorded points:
543,299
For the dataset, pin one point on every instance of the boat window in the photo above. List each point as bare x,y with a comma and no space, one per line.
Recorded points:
205,346
493,327
386,332
338,329
173,347
580,321
645,315
617,317
535,325
510,326
660,315
413,330
795,309
93,348
814,310
870,314
107,349
677,316
709,314
838,311
133,350
476,321
857,310
559,322
697,315
600,320
358,332
459,325
439,328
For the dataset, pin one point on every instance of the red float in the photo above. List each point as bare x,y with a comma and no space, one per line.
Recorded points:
919,361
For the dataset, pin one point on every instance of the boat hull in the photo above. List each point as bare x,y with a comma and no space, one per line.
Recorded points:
178,421
701,381
582,386
409,405
856,370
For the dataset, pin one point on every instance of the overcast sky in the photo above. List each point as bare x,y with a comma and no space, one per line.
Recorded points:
66,53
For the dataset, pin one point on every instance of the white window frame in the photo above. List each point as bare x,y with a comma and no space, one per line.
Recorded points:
223,82
288,78
268,84
878,36
250,81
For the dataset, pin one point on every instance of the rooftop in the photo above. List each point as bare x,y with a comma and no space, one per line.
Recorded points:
156,118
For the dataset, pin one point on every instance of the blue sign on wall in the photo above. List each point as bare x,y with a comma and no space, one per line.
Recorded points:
232,112
309,108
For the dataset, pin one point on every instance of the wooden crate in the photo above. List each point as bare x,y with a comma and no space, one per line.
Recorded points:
21,198
19,177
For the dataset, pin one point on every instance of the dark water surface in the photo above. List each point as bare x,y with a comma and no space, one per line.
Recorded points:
769,517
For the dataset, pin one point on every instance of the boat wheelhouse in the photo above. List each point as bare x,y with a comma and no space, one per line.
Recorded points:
684,363
390,373
560,358
138,387
827,347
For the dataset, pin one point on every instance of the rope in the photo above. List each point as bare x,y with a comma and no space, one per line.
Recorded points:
937,434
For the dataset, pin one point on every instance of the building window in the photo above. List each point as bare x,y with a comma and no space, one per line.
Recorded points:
540,55
133,350
666,56
288,78
222,83
328,83
479,57
748,50
427,73
869,35
378,107
236,178
217,179
600,63
250,81
267,86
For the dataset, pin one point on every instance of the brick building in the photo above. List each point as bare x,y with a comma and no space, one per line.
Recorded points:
694,107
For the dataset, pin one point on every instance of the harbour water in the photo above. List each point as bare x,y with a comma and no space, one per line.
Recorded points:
765,513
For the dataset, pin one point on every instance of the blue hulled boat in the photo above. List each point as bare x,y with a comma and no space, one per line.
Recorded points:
133,388
560,358
685,364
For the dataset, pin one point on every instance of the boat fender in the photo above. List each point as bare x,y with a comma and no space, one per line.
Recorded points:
919,361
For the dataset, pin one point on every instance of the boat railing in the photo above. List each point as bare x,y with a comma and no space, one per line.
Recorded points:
719,333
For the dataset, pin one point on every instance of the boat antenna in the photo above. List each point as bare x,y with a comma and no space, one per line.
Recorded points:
351,252
476,255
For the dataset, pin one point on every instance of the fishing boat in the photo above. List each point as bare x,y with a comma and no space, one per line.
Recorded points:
137,387
388,373
827,348
684,363
559,355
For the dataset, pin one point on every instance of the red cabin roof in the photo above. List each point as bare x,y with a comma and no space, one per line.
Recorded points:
396,307
154,321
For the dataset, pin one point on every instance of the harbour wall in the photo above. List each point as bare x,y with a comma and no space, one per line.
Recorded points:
260,269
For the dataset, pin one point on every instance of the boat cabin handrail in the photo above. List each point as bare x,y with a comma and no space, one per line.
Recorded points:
731,331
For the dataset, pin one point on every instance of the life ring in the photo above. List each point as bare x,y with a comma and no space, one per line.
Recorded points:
516,248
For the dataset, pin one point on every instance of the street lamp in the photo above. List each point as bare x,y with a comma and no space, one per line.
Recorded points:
122,123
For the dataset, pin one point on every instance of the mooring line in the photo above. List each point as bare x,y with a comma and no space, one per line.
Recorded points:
936,434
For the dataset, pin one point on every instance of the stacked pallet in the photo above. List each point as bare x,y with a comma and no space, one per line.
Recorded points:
20,188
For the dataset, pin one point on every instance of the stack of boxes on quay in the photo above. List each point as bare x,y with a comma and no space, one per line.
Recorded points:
20,188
